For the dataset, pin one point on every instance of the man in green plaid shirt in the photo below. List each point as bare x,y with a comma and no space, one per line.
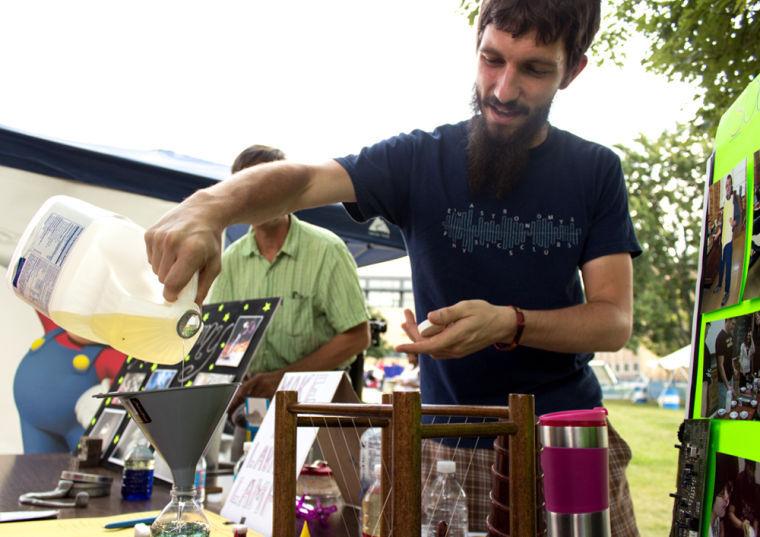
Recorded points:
322,321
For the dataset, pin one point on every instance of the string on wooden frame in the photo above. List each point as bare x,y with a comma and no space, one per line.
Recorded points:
454,458
387,496
322,452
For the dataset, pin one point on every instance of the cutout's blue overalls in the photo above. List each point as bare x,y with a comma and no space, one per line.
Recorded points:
48,382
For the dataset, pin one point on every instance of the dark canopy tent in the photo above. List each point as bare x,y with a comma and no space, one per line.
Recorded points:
167,176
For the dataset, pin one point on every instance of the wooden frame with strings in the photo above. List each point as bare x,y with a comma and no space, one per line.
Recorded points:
399,415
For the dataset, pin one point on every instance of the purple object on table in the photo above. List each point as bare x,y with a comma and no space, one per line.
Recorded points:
310,513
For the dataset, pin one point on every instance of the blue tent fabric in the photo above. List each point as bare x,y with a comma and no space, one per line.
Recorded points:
168,176
97,167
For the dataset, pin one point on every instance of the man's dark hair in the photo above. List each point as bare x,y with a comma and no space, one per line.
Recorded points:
256,154
574,21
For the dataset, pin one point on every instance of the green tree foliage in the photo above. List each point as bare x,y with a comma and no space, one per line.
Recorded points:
665,179
711,43
471,9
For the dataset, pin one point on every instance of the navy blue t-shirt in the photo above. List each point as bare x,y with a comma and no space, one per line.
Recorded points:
570,207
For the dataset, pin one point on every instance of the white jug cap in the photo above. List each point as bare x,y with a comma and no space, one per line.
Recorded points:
446,467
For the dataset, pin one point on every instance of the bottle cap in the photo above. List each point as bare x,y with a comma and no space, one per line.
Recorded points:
318,468
596,417
446,467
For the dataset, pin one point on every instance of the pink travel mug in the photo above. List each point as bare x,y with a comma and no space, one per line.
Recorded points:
575,464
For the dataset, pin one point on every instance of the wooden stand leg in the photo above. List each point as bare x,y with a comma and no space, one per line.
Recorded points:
522,471
407,494
387,470
284,522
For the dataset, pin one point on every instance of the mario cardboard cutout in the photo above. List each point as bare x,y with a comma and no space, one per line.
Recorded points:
54,384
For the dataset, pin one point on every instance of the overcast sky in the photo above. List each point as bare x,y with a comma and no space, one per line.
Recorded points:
317,78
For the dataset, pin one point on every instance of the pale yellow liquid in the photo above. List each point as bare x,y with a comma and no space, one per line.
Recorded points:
150,339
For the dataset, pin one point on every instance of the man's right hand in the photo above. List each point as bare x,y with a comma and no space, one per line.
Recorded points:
186,240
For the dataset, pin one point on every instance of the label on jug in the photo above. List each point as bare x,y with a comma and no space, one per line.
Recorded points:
38,267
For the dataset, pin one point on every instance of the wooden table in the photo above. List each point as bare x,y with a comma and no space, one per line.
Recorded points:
34,473
27,473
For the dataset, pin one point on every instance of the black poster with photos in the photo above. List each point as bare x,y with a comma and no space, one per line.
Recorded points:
231,334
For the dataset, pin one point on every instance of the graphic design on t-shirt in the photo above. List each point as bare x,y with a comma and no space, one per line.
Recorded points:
507,232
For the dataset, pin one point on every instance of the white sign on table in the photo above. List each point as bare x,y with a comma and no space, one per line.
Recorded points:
251,497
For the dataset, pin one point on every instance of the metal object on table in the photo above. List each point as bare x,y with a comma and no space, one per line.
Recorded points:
89,452
77,485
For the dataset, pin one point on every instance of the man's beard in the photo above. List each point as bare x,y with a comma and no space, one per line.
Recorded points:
496,162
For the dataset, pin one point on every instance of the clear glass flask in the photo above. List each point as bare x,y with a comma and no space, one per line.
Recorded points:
182,517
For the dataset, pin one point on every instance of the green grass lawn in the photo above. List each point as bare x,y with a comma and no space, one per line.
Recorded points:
651,433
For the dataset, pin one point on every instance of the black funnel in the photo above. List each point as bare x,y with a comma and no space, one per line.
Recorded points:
179,422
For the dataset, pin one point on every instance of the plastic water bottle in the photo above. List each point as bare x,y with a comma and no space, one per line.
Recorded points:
372,506
87,269
137,477
444,505
369,456
241,460
200,480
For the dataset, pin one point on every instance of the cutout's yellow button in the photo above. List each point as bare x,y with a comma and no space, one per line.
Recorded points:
81,362
37,343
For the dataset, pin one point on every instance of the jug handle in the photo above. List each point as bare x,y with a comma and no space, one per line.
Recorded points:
190,291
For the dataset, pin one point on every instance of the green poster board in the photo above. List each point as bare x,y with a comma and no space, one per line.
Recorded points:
726,330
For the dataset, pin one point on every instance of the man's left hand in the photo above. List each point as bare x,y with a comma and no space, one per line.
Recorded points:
259,385
471,325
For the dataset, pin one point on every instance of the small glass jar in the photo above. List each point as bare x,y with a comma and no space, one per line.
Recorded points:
317,494
183,516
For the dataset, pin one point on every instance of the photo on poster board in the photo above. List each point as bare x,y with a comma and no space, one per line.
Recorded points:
731,365
160,379
199,366
723,258
735,505
239,340
127,440
206,379
131,382
106,426
752,288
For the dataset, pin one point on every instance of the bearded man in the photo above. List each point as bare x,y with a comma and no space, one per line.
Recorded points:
518,233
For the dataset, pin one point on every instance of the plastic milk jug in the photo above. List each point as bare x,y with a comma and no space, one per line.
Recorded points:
87,269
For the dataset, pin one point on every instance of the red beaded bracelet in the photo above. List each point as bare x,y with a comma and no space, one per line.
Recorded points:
520,318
